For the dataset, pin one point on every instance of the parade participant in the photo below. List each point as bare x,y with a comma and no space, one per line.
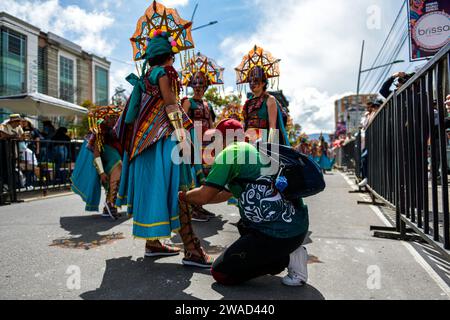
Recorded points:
303,145
324,160
99,162
153,118
232,111
200,73
263,117
272,229
315,151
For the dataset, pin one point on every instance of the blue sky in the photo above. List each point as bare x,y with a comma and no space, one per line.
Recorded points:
318,41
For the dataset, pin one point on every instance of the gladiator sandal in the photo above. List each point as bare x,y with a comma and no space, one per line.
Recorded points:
113,190
194,254
155,248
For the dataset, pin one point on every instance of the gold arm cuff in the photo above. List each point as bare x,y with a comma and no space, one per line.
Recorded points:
99,166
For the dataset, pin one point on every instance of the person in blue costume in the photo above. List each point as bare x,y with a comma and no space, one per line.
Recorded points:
262,113
99,163
324,160
199,110
152,130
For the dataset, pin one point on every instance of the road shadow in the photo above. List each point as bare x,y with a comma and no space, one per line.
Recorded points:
267,288
144,279
148,279
85,232
206,230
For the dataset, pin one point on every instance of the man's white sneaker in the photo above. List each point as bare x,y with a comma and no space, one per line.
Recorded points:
363,183
298,268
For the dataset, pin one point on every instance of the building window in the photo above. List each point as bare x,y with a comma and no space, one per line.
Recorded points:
66,79
42,70
101,86
12,63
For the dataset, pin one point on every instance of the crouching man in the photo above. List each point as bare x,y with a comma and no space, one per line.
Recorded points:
272,229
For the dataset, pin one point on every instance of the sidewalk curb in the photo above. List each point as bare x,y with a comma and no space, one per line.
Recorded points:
65,194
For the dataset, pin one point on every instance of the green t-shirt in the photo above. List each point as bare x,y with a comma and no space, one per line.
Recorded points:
242,161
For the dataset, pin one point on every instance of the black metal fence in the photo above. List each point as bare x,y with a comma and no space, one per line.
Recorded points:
407,145
30,166
345,156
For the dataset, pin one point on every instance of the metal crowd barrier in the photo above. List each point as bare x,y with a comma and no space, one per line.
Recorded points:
30,166
348,156
357,155
408,166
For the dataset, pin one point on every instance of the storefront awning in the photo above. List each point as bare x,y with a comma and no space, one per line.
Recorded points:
41,105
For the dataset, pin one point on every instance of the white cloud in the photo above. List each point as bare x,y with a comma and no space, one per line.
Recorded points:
72,22
174,3
118,75
319,45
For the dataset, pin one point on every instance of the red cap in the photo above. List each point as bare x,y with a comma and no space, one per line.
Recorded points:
229,124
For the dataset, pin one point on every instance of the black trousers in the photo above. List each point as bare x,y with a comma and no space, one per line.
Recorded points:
254,255
364,164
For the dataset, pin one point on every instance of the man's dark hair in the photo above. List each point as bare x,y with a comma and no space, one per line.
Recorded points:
160,60
406,78
62,130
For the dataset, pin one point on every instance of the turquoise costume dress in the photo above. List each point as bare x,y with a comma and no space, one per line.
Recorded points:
151,179
85,179
256,116
324,162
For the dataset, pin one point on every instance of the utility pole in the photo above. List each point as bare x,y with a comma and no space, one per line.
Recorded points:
360,67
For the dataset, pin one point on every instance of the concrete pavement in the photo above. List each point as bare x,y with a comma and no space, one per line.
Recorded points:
46,244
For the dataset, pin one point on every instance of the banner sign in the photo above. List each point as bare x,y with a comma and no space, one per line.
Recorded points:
429,27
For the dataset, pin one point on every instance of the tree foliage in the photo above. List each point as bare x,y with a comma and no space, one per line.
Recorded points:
218,102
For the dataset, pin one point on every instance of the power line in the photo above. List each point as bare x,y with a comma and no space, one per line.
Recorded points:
385,42
390,56
378,84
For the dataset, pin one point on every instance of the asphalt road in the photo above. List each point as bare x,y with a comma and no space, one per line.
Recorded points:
52,249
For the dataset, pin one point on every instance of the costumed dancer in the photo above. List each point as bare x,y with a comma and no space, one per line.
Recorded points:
324,160
303,146
263,115
200,73
153,173
315,151
232,111
99,162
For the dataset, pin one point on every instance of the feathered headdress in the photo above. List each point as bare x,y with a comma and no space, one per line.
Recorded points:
202,64
159,21
257,57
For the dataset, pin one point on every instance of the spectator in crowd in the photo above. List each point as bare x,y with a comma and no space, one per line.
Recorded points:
49,130
12,129
29,165
372,108
401,78
436,137
33,135
60,151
